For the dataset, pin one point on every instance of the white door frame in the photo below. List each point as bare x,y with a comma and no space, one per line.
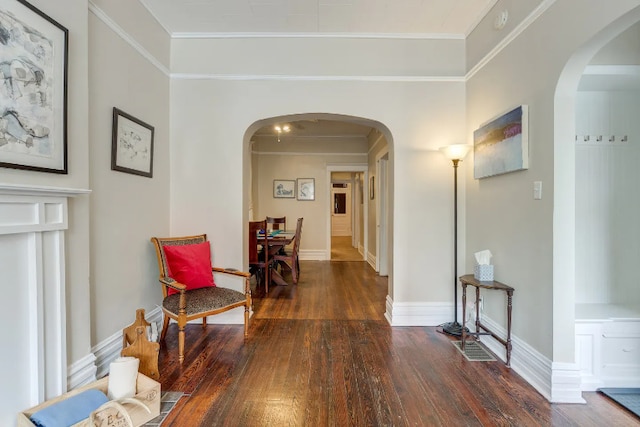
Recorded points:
382,218
353,167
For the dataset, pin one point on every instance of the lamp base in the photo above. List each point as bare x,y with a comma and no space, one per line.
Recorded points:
453,328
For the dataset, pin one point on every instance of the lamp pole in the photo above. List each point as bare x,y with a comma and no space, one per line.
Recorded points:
454,328
455,153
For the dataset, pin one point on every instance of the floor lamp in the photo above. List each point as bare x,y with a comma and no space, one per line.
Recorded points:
455,153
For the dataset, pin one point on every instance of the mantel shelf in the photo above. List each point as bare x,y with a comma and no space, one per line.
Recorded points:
35,190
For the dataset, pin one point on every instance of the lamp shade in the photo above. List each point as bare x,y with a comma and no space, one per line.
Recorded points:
455,151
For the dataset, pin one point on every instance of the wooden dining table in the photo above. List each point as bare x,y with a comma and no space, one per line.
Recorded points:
276,240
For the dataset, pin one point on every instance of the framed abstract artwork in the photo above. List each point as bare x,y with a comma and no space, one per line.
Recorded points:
131,145
284,188
33,99
502,145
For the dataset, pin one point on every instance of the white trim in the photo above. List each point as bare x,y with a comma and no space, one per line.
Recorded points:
38,190
82,372
301,153
519,29
313,255
418,313
612,70
565,380
283,77
371,258
101,15
106,352
386,36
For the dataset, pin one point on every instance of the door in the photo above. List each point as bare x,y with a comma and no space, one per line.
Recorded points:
341,209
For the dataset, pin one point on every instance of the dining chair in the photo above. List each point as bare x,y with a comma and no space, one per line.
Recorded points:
277,222
259,259
188,287
290,257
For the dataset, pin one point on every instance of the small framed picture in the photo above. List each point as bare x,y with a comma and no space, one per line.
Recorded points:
284,188
306,189
131,145
372,188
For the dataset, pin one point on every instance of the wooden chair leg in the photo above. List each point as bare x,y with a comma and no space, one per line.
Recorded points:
181,344
246,320
204,321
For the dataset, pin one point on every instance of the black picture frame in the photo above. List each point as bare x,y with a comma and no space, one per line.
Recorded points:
131,145
34,123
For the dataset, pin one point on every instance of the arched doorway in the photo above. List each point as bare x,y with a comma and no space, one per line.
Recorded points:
564,230
339,142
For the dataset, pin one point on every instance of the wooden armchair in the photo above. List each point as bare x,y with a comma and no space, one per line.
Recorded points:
184,302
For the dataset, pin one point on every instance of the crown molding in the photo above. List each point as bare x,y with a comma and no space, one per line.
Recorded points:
282,77
519,29
395,36
101,15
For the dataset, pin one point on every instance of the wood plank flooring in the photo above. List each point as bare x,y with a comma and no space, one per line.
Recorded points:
322,354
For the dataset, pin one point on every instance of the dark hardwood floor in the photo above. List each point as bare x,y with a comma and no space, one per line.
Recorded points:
322,354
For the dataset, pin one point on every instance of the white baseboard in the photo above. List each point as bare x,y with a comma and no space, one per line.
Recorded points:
313,255
82,372
418,313
371,259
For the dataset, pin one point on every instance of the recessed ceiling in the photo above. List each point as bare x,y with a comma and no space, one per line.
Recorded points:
368,17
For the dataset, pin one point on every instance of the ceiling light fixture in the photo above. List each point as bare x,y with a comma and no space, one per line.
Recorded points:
281,129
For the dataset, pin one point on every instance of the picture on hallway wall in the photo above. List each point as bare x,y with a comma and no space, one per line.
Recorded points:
284,189
502,145
131,145
306,189
33,95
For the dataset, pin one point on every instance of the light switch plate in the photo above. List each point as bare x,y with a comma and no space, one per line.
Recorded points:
537,190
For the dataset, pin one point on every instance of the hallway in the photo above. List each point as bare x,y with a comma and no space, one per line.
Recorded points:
321,353
342,250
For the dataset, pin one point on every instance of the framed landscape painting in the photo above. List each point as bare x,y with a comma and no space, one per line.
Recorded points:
502,145
33,99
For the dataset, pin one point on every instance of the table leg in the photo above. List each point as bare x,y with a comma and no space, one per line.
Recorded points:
477,311
509,298
464,313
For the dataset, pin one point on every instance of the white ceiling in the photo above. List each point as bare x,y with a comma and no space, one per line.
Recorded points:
366,17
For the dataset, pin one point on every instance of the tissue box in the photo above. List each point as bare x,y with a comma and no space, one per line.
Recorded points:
484,272
148,392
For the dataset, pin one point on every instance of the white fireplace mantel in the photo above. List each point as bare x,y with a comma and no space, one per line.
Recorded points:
33,220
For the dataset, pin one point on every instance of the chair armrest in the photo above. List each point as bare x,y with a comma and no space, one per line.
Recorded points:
173,284
231,271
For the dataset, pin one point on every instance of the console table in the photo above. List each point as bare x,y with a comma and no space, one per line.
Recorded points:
470,280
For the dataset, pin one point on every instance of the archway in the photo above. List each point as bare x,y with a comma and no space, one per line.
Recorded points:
564,234
302,161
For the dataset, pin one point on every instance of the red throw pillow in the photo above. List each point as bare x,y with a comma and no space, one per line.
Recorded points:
190,265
